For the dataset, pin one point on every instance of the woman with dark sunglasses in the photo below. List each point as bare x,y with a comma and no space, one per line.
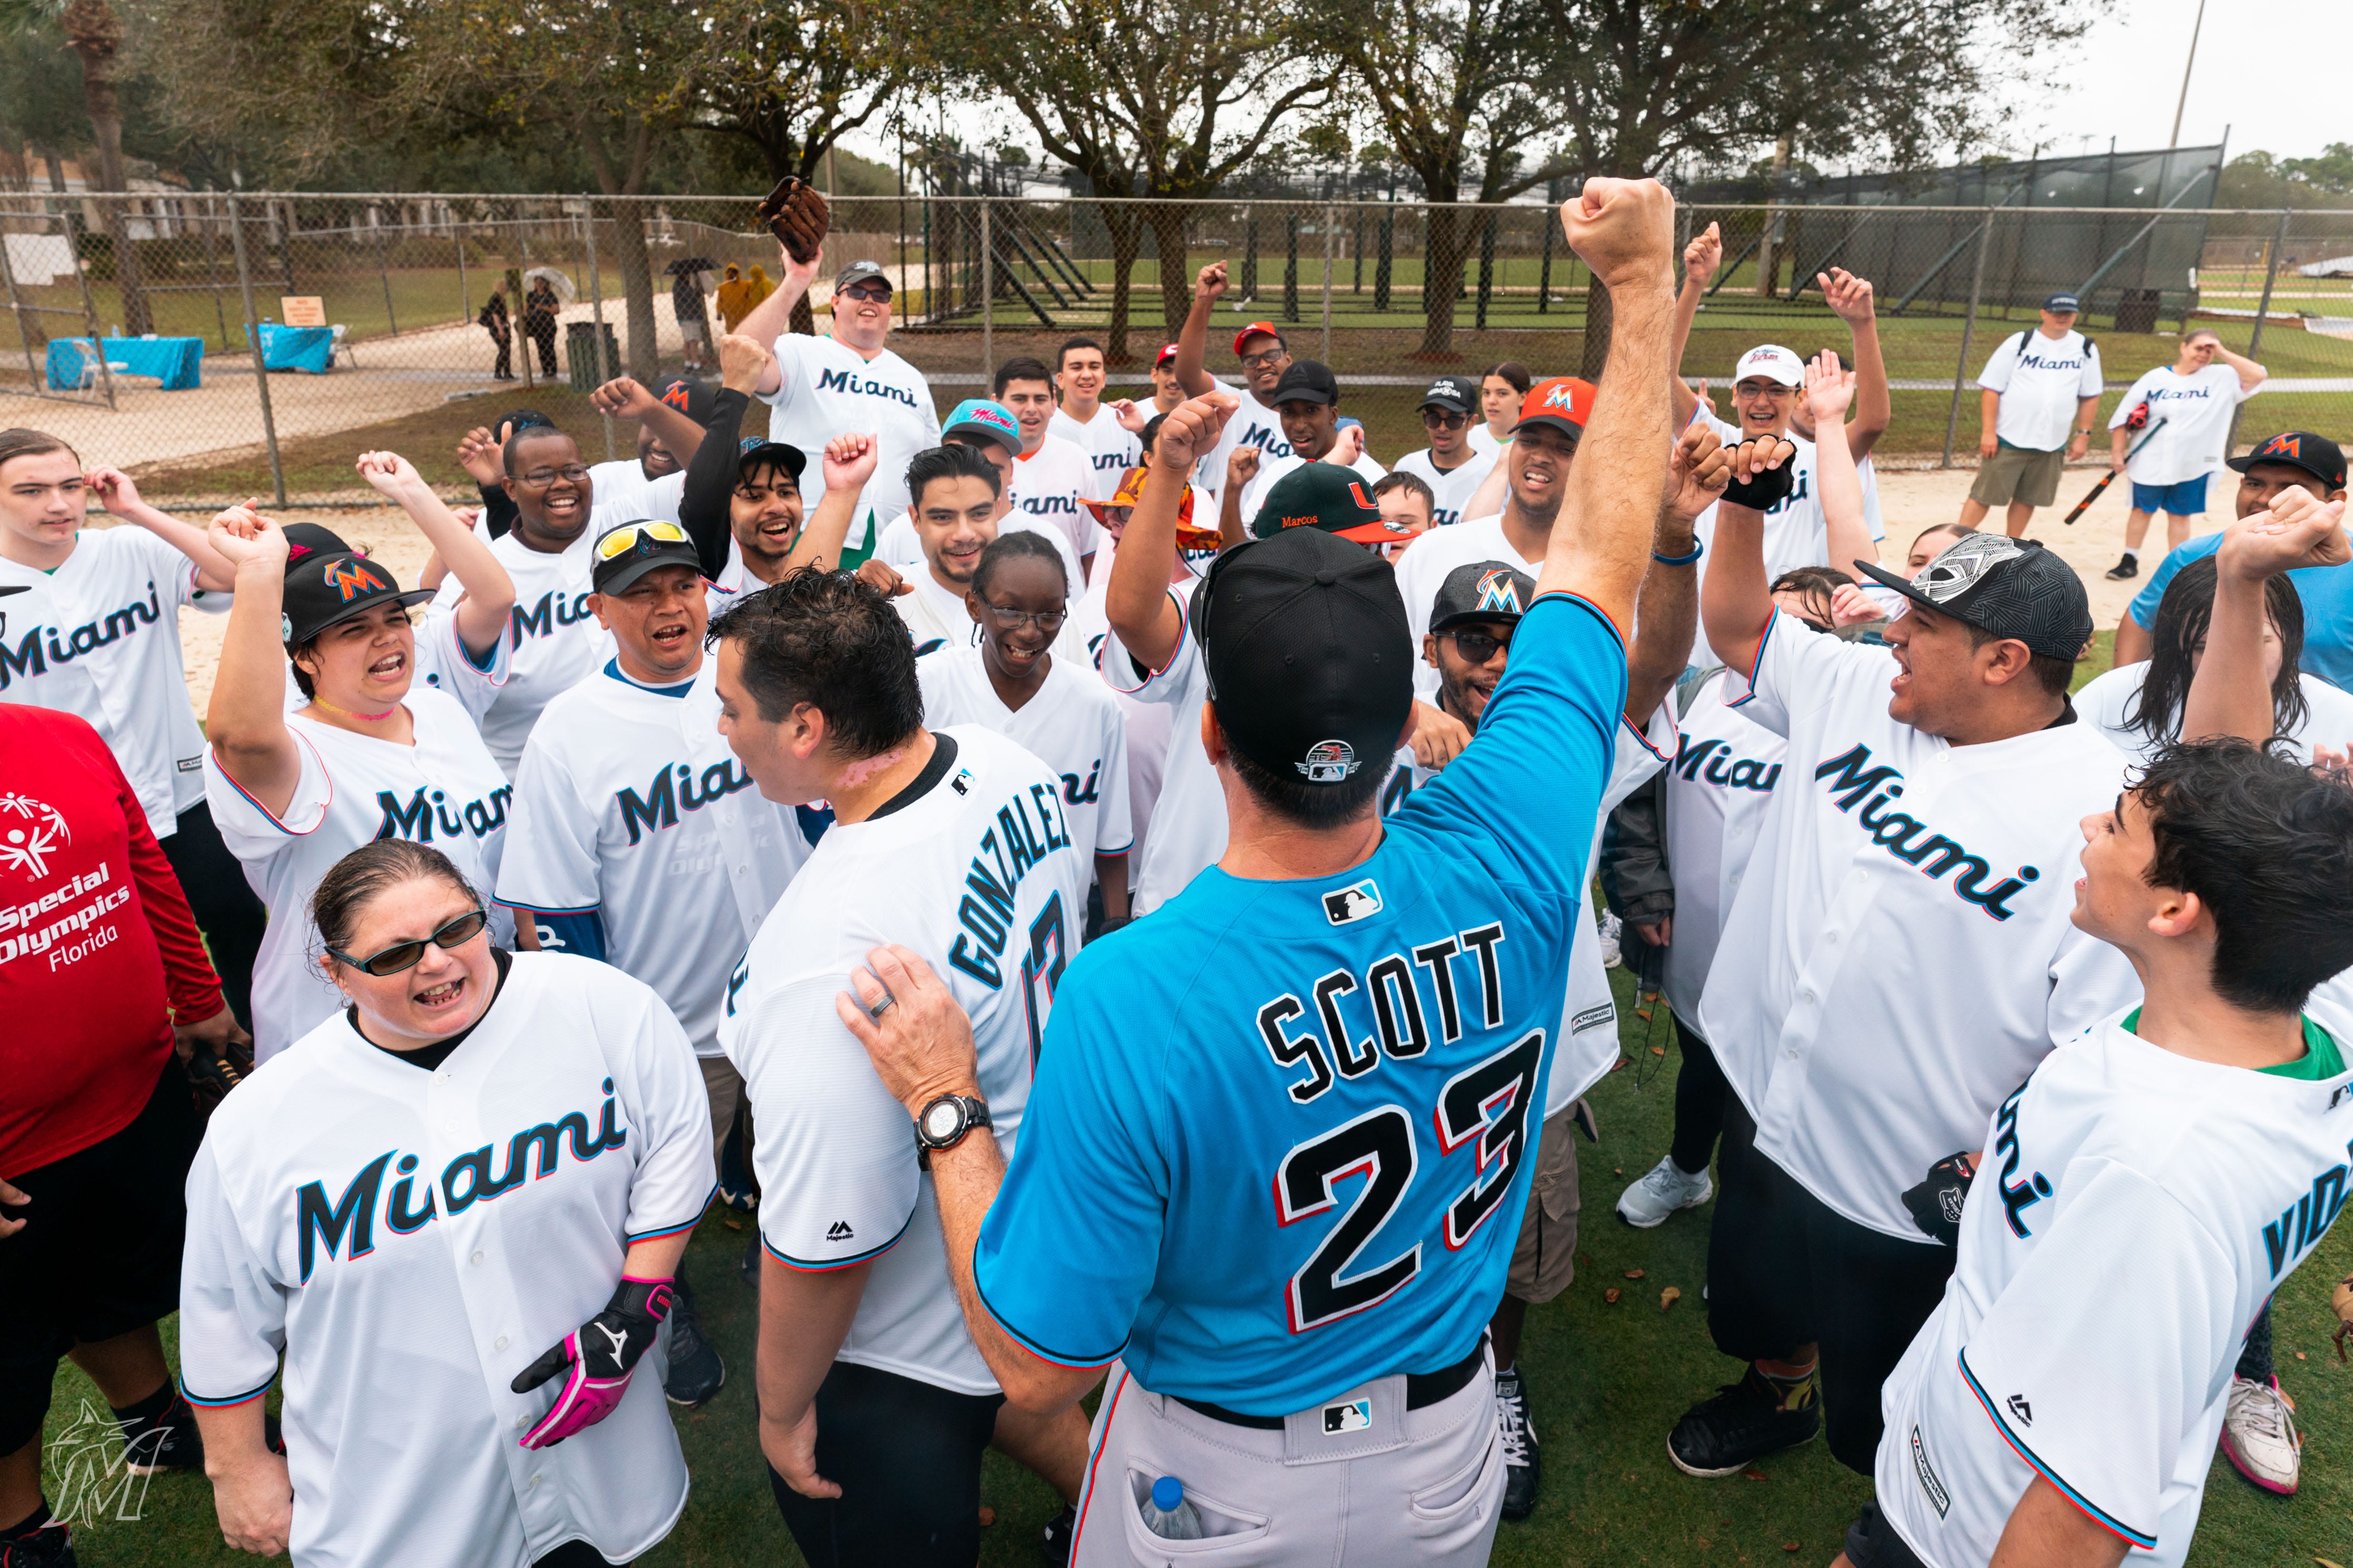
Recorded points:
463,1198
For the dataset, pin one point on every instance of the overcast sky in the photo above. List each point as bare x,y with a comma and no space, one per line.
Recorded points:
2265,68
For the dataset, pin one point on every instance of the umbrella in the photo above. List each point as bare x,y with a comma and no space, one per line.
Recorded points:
691,264
556,280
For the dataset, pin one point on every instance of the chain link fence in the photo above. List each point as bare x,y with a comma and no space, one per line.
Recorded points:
218,346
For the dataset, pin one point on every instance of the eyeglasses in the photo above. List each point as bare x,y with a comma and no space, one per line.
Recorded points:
1264,357
625,538
1013,620
408,954
1439,419
872,293
575,472
1478,647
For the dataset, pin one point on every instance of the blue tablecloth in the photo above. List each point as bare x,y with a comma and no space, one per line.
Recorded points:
308,349
178,362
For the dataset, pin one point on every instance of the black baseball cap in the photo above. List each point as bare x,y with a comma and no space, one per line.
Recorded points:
2009,587
628,551
758,450
2316,455
1453,392
692,398
858,272
1483,591
1307,381
1326,498
2062,304
1306,647
328,582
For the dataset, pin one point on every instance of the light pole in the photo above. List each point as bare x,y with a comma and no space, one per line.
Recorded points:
2188,66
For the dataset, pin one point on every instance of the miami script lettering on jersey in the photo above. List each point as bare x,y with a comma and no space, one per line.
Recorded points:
2017,1196
43,647
418,819
346,1228
2302,1224
673,786
1712,761
1028,827
844,380
1850,781
1077,793
1038,506
553,612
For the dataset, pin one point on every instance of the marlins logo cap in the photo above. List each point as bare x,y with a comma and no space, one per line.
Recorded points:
328,582
1323,496
692,398
2009,587
1483,591
1563,402
2316,455
1305,644
983,416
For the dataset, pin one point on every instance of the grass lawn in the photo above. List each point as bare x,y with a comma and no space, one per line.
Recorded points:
1608,1381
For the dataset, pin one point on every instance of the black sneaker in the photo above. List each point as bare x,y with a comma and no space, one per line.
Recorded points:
752,1262
2124,570
694,1372
154,1444
1740,1426
51,1546
1055,1547
1523,1466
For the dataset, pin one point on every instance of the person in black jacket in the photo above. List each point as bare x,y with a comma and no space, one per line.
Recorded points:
493,318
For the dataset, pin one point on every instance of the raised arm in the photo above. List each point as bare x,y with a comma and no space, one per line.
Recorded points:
623,397
773,317
849,463
2251,374
1846,532
1136,600
1624,231
1701,256
1736,604
1668,606
120,495
481,611
246,722
703,500
1850,298
1493,492
1193,337
2232,693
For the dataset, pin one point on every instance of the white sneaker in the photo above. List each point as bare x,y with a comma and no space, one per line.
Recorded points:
1610,927
2259,1433
1663,1190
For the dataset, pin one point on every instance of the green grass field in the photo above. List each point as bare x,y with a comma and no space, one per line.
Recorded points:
1608,1381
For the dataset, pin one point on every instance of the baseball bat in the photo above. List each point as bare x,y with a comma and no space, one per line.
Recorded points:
2109,478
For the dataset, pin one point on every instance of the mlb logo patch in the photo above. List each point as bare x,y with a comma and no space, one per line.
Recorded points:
1328,762
1345,905
1351,1416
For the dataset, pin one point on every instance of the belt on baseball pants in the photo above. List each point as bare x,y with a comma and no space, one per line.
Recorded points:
1421,1389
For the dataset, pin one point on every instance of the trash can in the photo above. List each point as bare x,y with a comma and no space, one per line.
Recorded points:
586,372
2137,311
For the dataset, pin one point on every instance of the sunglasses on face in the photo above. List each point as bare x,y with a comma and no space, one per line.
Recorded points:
1439,419
1012,620
406,956
872,293
575,472
622,539
1478,647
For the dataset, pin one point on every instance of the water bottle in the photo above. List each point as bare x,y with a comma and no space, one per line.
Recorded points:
1169,1515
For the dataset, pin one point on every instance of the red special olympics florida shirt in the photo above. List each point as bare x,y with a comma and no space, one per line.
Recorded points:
95,934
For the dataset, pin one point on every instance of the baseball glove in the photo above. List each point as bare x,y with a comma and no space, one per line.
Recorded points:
1936,1204
797,214
211,1075
2139,419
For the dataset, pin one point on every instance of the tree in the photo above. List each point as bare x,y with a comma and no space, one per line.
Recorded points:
1147,99
1453,83
1642,83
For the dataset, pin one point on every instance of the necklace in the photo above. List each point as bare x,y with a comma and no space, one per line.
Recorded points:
349,713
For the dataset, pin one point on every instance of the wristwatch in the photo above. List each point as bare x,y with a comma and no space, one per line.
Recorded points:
943,1122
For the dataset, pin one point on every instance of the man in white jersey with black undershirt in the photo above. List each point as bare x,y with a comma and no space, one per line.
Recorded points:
874,1404
1051,475
1450,466
846,380
671,419
1933,812
1099,428
2191,1150
1307,402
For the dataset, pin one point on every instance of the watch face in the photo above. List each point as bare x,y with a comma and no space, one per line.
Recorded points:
940,1119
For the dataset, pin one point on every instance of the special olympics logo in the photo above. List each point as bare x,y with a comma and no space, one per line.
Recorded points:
34,829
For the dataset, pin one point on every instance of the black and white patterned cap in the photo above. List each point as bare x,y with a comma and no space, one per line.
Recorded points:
2010,587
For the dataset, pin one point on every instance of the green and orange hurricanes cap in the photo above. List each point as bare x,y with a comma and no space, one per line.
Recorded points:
1563,402
1325,496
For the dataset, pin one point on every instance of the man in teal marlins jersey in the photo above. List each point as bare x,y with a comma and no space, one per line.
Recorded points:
1280,1128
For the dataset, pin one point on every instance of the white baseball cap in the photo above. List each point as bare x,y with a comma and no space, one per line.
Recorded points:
1772,361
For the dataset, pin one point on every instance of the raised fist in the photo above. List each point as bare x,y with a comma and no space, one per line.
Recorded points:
1623,229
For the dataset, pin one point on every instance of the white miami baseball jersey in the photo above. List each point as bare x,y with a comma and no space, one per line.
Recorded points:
980,876
623,493
99,637
1900,954
445,790
1726,767
2041,381
2196,1188
828,390
2197,412
1111,447
409,1239
1253,424
1795,533
1590,1018
631,806
1187,831
2106,700
936,617
1147,723
1047,486
1453,486
1486,442
1271,468
1071,723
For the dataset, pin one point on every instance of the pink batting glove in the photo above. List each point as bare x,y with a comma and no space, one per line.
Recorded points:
596,1359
